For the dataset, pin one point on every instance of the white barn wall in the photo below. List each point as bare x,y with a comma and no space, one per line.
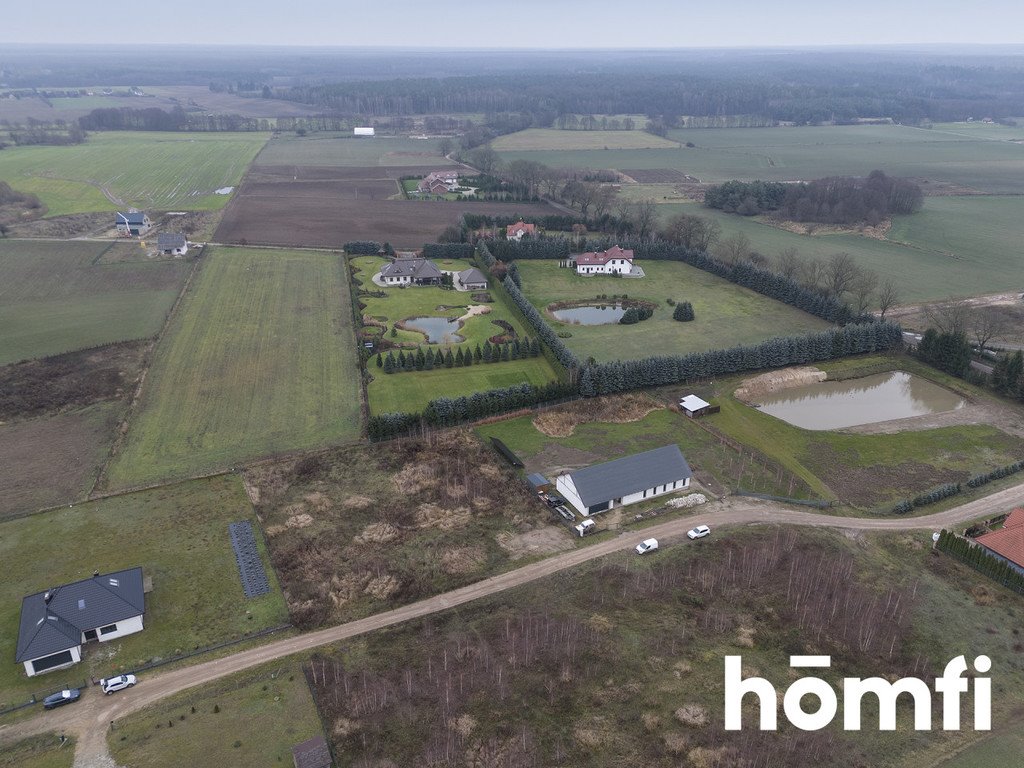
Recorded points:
125,627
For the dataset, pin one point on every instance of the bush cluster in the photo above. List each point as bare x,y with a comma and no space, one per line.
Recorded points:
362,248
489,353
683,312
981,560
928,497
1010,469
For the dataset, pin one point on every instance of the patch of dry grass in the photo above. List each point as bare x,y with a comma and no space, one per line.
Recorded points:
620,409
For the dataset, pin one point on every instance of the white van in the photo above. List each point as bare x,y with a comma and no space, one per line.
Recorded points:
587,526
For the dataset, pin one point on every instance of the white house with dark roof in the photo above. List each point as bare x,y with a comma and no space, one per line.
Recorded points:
625,481
132,224
615,260
414,271
56,623
172,244
439,182
472,279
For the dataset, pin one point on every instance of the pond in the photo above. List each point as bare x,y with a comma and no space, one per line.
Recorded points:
438,330
591,314
867,400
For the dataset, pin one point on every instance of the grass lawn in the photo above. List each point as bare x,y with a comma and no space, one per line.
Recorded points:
726,314
551,139
261,715
178,534
44,751
995,751
259,359
412,391
870,471
162,171
58,297
335,149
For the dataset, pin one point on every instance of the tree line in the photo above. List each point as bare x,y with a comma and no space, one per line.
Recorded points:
981,560
489,353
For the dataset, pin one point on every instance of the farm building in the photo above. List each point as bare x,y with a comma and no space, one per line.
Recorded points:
55,623
538,482
1008,542
695,407
414,271
362,131
472,279
438,183
172,244
613,261
132,224
312,753
625,481
519,230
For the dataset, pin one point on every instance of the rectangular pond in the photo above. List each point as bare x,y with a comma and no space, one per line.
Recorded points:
867,400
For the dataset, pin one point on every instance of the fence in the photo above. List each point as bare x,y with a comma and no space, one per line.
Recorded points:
36,696
210,648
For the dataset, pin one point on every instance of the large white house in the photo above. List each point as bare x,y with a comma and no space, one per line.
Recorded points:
613,261
56,623
410,271
625,481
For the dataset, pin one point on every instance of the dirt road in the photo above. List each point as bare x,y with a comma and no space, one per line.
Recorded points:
90,720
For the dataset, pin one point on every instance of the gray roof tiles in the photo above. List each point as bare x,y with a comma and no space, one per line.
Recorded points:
87,604
168,240
471,275
630,474
418,269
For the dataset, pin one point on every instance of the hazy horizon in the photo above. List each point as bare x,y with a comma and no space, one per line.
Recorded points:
528,24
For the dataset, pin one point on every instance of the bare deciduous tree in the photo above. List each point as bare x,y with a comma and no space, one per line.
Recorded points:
645,214
734,248
840,273
788,263
695,233
988,324
947,316
863,289
888,297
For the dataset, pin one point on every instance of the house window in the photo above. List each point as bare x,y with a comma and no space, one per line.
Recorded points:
109,629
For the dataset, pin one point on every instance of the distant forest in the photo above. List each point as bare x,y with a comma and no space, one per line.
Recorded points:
789,86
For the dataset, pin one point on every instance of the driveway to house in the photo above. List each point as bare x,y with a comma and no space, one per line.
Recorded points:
89,721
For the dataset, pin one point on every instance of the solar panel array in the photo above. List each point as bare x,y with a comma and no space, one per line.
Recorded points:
250,566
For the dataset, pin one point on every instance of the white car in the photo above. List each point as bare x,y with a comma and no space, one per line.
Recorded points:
699,532
648,545
111,684
587,526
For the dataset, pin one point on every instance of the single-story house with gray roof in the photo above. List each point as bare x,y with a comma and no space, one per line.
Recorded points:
172,244
472,279
56,623
625,481
415,271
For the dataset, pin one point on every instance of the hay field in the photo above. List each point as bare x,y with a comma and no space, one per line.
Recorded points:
57,296
550,139
726,314
157,171
260,359
341,149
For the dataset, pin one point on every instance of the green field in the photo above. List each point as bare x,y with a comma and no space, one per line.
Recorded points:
726,314
259,359
551,139
57,297
179,536
956,246
261,715
995,751
44,751
342,150
411,391
157,171
974,161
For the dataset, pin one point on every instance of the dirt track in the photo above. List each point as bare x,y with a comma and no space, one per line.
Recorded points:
89,721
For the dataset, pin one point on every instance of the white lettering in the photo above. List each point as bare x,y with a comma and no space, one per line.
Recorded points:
736,688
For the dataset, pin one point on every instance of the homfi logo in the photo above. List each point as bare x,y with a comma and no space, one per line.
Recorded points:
952,685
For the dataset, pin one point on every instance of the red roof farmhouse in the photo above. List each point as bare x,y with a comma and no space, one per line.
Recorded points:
614,260
518,230
1008,541
438,182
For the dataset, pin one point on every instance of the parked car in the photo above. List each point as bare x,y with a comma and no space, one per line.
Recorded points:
587,526
554,500
59,699
111,684
647,545
699,532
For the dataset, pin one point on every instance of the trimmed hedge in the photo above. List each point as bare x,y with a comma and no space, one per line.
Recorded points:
981,560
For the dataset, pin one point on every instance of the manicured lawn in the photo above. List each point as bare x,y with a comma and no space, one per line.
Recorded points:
57,297
411,391
178,534
261,715
162,171
44,751
726,315
260,359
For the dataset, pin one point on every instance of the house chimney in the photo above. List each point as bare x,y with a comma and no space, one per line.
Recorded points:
96,573
47,597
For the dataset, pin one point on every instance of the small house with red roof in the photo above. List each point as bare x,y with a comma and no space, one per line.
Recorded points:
519,230
613,261
1008,542
438,183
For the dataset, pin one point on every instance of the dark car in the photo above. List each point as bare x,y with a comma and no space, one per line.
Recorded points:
61,698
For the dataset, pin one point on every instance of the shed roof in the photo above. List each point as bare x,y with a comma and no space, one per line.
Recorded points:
74,608
693,403
1008,541
167,240
537,480
420,269
132,217
630,474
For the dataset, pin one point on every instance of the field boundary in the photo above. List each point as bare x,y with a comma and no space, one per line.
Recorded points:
137,395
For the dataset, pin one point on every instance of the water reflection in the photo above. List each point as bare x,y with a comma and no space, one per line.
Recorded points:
594,314
867,400
438,330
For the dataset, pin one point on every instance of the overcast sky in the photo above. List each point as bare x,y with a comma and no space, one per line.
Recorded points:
517,23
